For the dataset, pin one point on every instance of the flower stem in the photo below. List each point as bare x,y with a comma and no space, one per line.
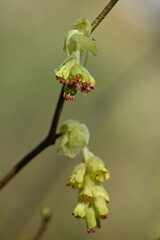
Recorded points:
42,229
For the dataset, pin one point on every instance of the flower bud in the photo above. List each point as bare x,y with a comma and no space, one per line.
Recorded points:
80,209
101,207
91,222
83,25
45,214
74,76
96,166
77,177
86,193
99,191
74,137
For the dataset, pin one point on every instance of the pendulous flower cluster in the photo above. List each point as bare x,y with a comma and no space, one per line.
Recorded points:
71,73
87,176
92,198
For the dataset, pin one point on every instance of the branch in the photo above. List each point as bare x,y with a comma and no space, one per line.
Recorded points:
49,140
52,136
103,14
46,217
41,230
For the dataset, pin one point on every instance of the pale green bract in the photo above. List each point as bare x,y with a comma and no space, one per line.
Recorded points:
70,44
74,137
76,40
87,43
83,25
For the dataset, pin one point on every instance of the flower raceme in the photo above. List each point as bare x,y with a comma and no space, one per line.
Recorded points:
71,73
87,176
93,198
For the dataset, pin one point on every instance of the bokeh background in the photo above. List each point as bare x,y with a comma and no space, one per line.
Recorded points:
122,114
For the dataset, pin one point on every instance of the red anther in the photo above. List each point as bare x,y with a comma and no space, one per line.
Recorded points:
84,85
78,85
103,216
77,79
88,84
67,97
88,90
72,98
92,87
88,230
62,80
93,230
69,84
57,78
82,89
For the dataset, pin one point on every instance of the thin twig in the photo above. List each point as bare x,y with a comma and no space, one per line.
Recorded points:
42,228
52,132
52,136
103,14
49,140
41,231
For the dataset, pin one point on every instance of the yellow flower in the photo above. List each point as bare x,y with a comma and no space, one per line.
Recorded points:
86,192
80,209
95,165
74,77
101,207
77,177
92,221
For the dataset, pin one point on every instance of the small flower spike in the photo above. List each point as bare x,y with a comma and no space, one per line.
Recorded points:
92,194
87,176
74,76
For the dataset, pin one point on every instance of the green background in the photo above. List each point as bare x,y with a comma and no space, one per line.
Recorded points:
122,114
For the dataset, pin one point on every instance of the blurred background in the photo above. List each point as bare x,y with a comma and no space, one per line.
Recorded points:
122,114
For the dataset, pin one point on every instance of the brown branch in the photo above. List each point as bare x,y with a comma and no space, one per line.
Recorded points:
41,230
46,217
49,140
103,14
52,136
